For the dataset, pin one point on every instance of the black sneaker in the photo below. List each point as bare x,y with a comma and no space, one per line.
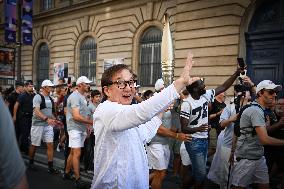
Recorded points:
80,184
67,176
52,171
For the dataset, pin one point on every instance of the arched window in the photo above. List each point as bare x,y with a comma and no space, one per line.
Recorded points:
150,57
88,58
42,63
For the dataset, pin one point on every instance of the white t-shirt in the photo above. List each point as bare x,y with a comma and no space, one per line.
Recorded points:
196,111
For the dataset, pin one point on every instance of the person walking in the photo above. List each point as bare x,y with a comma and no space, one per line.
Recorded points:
42,121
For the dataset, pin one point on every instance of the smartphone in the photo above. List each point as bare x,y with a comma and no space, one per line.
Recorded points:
241,63
69,80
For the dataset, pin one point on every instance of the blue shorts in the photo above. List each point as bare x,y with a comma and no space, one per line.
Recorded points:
197,150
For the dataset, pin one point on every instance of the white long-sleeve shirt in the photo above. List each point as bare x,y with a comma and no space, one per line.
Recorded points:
120,159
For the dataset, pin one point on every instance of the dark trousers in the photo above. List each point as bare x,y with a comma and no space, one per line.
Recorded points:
67,148
89,152
24,124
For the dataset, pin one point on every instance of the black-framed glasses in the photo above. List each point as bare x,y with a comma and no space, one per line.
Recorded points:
271,91
121,84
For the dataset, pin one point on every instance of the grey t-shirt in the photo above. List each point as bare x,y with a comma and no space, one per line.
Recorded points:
36,121
229,131
92,107
249,146
167,122
12,167
176,115
76,100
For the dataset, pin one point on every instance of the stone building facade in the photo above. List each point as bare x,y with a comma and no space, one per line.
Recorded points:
216,31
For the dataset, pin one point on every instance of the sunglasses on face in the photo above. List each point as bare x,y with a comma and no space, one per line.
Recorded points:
121,84
270,91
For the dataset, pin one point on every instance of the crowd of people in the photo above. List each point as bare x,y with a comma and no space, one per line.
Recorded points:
127,139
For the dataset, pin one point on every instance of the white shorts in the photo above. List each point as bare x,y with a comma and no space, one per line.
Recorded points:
185,159
44,133
247,172
76,138
158,156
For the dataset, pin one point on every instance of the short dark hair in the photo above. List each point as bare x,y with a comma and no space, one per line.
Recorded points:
95,92
19,83
110,72
185,92
190,88
28,82
147,94
260,92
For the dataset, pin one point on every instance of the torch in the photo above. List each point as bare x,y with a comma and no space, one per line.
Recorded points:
167,58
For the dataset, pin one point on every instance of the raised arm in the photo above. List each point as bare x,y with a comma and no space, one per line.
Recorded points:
185,78
227,83
128,116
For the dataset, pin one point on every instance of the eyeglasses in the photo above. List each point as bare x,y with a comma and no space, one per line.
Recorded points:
121,84
270,91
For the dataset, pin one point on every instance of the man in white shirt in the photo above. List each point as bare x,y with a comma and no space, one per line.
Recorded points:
121,129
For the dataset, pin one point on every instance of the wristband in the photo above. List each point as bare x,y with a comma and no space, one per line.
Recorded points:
45,119
177,136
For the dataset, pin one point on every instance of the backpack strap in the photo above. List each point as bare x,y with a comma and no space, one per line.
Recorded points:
42,104
250,129
52,104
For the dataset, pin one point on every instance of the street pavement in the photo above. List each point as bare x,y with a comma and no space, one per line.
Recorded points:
41,179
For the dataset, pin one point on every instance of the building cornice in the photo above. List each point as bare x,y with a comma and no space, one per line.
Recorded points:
79,6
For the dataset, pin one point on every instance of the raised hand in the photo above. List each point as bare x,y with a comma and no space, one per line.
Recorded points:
185,78
187,67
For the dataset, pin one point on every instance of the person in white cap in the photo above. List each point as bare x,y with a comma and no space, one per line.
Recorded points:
159,85
251,164
42,121
77,119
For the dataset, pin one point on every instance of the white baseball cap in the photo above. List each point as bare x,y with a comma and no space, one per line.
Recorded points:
47,83
83,79
267,84
159,84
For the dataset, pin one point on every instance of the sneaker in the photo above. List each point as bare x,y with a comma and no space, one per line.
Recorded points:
80,184
52,171
67,176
